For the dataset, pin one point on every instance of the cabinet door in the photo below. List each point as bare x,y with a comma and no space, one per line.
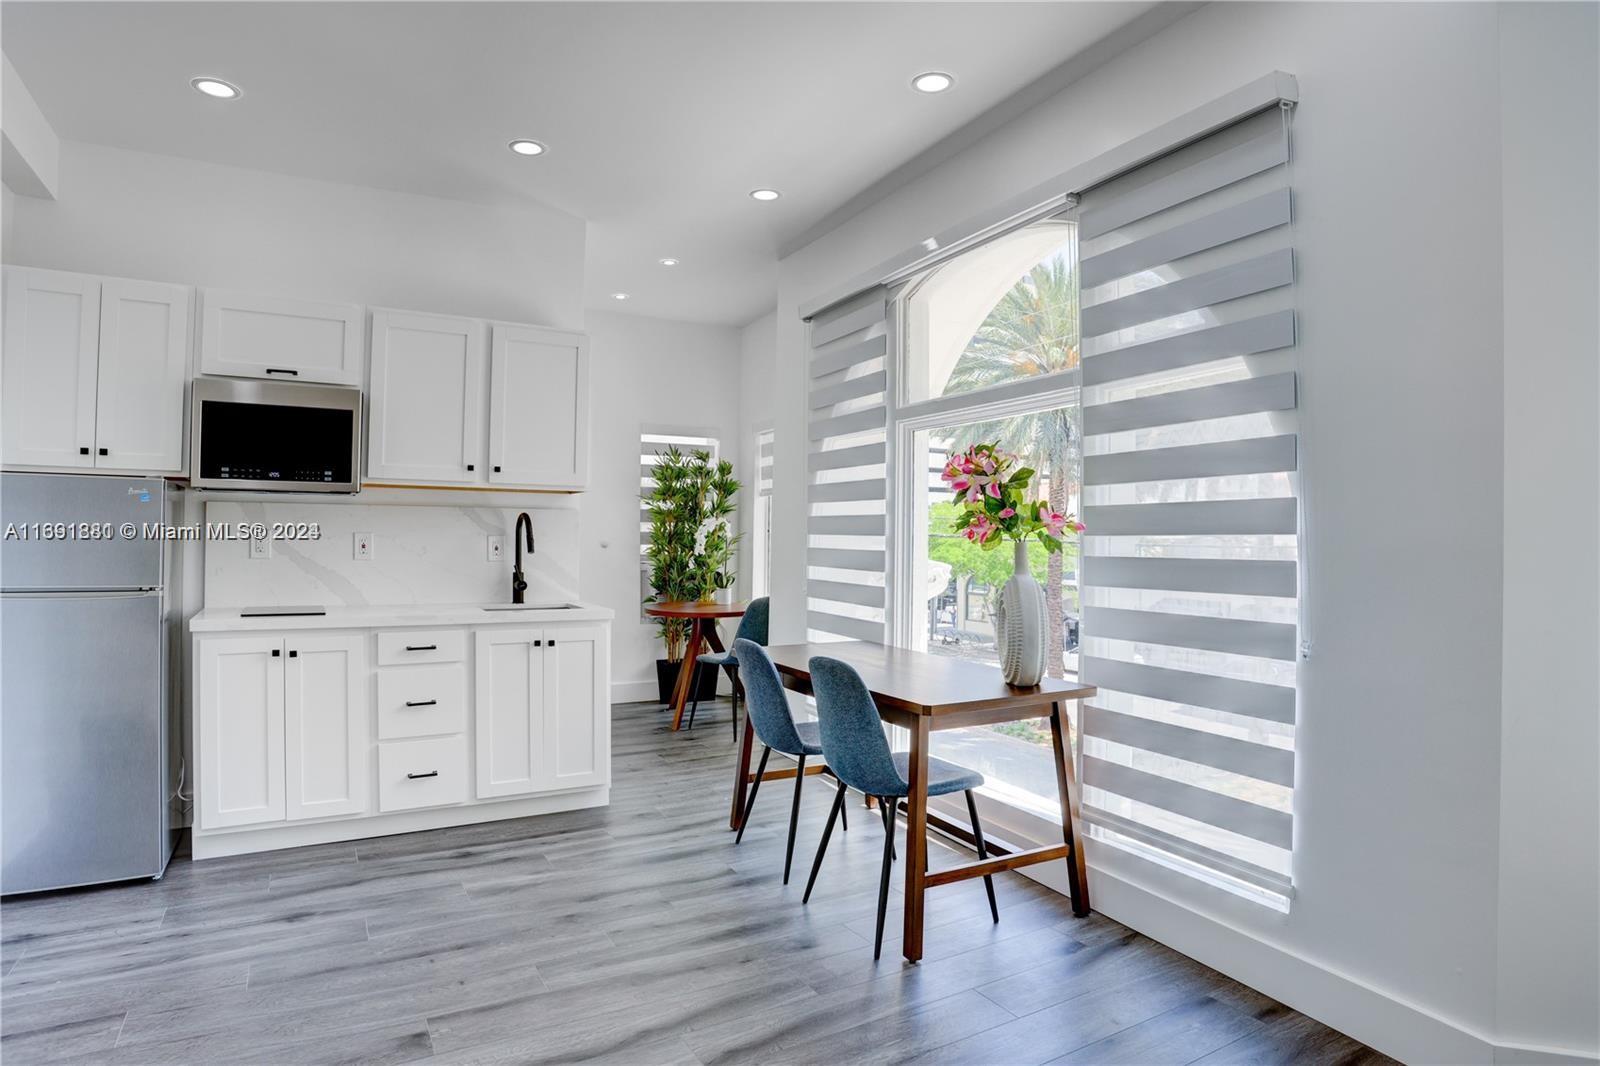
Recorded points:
239,730
539,408
426,399
327,733
508,711
577,708
244,335
52,337
144,370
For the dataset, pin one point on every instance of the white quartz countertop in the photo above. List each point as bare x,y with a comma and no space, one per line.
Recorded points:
229,619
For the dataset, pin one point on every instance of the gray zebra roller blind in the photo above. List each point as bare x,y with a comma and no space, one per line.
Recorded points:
1190,570
846,471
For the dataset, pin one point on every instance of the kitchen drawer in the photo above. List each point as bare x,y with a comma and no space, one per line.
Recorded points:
422,701
422,646
422,773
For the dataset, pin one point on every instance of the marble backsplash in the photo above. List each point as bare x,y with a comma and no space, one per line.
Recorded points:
420,555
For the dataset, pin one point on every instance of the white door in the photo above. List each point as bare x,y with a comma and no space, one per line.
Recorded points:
245,335
426,399
326,721
577,707
47,369
144,370
539,408
239,730
508,711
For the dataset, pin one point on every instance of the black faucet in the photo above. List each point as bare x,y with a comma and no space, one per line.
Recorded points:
519,582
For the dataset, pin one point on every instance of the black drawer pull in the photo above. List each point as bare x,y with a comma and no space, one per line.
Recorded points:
274,653
83,451
430,773
497,470
550,643
421,703
293,654
278,370
471,467
538,644
105,451
422,647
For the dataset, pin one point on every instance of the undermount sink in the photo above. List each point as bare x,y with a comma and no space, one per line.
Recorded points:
531,607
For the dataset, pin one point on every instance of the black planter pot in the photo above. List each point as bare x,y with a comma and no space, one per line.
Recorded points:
667,676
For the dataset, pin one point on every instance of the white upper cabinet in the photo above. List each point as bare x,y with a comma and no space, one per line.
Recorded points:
95,372
539,408
426,399
51,358
244,335
144,370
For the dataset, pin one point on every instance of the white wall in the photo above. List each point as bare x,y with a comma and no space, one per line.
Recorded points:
161,218
758,364
1549,935
646,371
1398,187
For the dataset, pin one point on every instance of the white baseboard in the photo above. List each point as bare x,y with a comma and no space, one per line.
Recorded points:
248,839
634,692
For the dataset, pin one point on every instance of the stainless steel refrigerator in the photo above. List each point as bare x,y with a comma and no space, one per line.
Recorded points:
86,645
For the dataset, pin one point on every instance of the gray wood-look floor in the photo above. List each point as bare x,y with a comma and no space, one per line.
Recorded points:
632,934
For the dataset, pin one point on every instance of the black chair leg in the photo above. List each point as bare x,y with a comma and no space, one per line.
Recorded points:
884,807
750,800
827,831
844,819
794,816
733,676
694,693
983,853
883,886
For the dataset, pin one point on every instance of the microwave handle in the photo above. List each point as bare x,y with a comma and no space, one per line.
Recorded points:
279,370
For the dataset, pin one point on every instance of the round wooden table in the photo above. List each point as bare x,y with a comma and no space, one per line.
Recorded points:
702,619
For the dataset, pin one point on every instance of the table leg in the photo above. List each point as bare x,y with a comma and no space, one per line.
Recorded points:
916,840
741,770
1067,787
680,691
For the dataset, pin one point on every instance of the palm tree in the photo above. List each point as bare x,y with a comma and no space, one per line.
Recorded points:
1032,331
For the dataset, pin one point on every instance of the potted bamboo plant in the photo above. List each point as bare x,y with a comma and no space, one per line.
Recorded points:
691,546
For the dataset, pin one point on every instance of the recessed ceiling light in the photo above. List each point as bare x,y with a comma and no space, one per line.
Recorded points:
933,81
216,87
619,296
527,147
764,194
668,262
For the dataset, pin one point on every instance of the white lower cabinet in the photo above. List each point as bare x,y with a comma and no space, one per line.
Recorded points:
542,711
326,724
290,727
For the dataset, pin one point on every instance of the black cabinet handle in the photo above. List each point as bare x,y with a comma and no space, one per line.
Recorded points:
430,773
279,370
497,470
83,451
549,643
538,644
105,451
421,703
274,653
471,467
293,654
422,647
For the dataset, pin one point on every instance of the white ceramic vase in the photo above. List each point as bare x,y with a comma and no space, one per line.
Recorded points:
1020,624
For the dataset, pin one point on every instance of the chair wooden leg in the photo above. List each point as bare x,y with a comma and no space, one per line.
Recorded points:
883,884
794,817
827,831
750,801
983,853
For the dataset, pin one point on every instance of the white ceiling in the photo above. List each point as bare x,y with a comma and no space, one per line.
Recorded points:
660,117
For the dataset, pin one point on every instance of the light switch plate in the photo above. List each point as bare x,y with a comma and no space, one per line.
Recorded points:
260,547
497,547
363,545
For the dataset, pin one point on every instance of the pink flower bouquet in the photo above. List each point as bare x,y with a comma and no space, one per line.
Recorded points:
992,486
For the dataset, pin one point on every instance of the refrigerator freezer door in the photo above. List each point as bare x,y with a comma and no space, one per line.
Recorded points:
29,502
82,725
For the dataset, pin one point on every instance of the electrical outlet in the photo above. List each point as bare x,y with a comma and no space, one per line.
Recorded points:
497,547
363,545
260,547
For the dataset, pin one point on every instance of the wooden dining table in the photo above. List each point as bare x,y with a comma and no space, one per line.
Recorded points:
702,619
925,693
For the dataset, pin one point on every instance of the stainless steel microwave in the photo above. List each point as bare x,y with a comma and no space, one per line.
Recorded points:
274,435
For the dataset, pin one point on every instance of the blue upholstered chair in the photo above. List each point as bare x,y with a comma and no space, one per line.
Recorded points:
768,710
859,757
752,627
